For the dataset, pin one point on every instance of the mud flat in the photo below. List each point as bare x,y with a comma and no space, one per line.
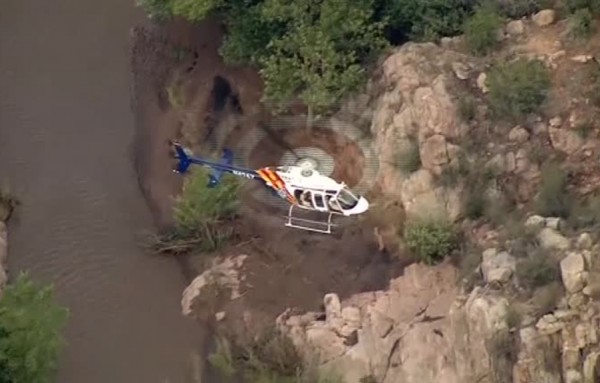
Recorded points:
65,131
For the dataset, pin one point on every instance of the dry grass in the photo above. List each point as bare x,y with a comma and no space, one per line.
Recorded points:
8,203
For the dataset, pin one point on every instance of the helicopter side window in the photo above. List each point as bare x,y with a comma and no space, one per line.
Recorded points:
332,204
346,199
319,200
304,197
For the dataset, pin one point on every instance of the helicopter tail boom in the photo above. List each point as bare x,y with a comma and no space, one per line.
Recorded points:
186,159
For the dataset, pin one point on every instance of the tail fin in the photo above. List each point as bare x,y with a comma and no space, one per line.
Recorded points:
183,160
215,177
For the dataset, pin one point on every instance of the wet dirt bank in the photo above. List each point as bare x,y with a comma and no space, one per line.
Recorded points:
65,134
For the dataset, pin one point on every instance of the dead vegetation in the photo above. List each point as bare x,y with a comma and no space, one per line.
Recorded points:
269,357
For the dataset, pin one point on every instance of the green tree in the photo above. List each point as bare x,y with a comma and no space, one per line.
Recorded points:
196,10
320,57
156,9
30,326
426,20
481,30
248,35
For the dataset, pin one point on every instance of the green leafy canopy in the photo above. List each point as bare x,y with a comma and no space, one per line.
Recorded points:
30,325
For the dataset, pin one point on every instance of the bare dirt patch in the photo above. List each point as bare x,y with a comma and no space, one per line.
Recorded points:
218,106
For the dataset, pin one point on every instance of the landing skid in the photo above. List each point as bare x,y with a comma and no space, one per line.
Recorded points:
308,224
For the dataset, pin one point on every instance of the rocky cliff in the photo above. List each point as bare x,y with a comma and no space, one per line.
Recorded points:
520,303
423,329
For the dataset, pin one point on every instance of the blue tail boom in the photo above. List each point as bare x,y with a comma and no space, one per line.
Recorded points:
186,159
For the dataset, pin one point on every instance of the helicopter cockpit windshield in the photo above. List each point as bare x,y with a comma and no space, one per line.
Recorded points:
346,199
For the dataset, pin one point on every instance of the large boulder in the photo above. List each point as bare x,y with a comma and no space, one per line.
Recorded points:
419,103
573,272
551,239
422,198
536,361
392,333
222,276
497,266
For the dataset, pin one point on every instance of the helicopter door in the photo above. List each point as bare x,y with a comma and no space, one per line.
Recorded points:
319,202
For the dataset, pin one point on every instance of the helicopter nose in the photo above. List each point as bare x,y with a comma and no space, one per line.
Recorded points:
361,207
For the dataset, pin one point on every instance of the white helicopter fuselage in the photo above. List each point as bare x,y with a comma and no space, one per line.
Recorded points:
309,189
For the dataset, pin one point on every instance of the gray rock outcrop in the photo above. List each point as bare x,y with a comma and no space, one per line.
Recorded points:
223,276
417,105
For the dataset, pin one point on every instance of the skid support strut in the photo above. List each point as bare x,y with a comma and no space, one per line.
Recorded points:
308,224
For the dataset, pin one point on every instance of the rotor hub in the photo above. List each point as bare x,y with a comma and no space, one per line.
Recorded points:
308,163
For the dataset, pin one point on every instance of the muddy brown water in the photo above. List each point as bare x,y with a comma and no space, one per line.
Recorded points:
65,135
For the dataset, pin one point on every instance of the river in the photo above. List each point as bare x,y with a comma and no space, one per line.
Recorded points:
65,136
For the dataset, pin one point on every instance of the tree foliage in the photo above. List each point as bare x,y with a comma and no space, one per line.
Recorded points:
195,10
481,30
321,55
317,51
426,20
30,325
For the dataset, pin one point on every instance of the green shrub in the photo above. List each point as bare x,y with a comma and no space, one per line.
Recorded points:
582,23
573,6
516,9
196,10
269,357
427,20
159,10
202,215
30,326
222,358
537,269
518,88
585,213
430,240
553,199
481,30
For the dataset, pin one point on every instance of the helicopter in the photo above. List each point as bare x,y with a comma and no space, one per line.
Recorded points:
302,187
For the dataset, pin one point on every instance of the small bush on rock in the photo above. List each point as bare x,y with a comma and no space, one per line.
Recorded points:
515,9
538,269
269,357
573,6
553,199
481,30
430,240
203,215
581,23
518,88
